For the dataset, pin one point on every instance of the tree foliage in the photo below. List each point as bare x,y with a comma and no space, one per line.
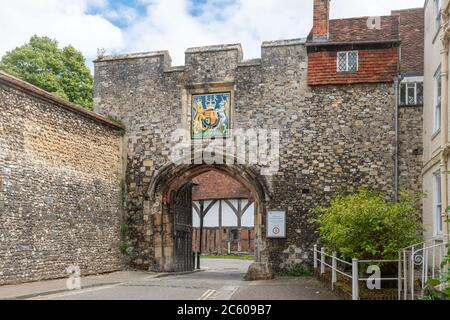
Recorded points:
59,71
366,226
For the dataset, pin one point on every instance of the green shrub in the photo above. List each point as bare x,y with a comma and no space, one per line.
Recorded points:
124,247
123,231
123,237
365,226
300,270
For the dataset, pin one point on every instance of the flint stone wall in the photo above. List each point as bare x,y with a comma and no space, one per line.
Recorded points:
60,190
333,138
411,148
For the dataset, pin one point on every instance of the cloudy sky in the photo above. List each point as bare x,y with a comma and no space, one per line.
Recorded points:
123,26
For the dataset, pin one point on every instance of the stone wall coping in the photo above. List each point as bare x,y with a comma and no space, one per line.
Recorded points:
195,50
130,56
283,43
215,48
30,89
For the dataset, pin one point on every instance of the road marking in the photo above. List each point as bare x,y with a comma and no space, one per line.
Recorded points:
225,293
73,293
207,294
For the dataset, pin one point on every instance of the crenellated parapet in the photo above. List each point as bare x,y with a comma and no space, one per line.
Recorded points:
134,74
330,136
204,64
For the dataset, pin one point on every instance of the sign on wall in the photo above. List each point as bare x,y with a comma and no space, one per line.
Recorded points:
211,115
276,224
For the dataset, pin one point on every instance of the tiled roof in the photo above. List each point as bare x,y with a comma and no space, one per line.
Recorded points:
412,31
358,30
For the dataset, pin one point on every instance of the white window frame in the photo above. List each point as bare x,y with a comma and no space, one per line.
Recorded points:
437,100
408,82
437,14
437,204
346,61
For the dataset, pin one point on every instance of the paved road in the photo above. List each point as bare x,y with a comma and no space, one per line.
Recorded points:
223,280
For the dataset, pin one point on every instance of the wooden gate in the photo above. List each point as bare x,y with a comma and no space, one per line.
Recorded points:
181,211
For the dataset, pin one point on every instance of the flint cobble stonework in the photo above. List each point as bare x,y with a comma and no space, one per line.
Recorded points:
410,148
333,138
70,178
60,188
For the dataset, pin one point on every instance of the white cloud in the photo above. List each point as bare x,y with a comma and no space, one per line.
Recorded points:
64,20
169,25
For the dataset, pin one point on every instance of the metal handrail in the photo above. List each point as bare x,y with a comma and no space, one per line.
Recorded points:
377,261
427,256
430,247
354,276
340,260
337,270
442,238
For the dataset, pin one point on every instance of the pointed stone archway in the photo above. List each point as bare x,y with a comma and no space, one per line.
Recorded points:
162,192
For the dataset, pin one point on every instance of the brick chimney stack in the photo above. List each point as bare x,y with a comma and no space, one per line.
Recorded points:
321,22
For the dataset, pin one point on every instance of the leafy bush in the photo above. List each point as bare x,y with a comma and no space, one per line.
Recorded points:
300,270
123,237
60,71
123,231
366,226
124,248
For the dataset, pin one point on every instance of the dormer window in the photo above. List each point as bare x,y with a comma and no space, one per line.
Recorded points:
347,61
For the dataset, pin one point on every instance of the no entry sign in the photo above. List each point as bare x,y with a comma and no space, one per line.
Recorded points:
276,224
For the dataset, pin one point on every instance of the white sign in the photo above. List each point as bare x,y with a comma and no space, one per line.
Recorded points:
276,224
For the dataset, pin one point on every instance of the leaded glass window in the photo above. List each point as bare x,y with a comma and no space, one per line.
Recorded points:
347,61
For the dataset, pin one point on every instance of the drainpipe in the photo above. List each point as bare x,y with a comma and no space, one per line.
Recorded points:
397,81
444,115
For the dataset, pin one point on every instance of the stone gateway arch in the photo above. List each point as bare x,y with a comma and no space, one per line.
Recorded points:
170,207
331,138
112,189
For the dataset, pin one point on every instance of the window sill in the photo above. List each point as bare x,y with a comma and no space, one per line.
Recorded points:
435,134
411,105
347,72
436,35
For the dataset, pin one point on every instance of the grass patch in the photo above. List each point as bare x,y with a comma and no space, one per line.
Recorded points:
248,258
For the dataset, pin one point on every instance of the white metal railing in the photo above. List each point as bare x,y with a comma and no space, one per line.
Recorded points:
320,259
421,262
